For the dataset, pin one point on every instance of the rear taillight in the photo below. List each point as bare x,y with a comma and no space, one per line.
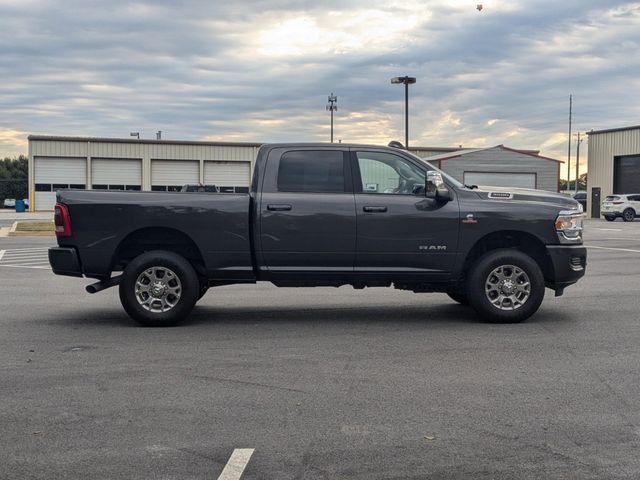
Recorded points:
618,203
62,221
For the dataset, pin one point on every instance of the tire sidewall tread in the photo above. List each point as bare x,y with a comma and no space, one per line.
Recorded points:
188,297
479,273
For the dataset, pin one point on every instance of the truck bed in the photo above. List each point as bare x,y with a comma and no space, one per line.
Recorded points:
103,221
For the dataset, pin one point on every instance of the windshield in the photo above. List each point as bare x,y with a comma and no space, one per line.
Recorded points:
448,178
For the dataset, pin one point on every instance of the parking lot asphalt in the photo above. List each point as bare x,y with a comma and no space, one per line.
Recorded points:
322,383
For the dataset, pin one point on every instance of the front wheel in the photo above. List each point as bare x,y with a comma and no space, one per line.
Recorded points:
505,286
609,218
159,288
628,215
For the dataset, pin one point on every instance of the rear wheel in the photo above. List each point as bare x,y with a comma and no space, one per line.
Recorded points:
609,218
505,286
159,288
628,215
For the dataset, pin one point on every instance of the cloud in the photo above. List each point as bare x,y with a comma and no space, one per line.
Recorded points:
261,70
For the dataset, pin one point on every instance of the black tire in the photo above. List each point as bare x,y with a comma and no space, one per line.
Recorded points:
479,277
458,296
628,215
609,218
188,289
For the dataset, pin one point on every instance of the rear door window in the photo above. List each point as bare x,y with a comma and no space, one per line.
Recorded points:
313,171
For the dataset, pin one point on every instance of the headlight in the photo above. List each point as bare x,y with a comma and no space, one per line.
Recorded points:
569,224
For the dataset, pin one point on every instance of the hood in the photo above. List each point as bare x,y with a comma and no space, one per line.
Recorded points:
527,195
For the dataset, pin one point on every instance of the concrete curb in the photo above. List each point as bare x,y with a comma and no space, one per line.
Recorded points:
14,233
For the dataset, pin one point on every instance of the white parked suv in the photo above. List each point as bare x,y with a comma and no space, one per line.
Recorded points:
625,206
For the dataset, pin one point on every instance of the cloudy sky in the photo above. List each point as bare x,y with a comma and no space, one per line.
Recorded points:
261,70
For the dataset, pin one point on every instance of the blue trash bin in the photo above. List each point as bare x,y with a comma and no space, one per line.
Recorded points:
20,206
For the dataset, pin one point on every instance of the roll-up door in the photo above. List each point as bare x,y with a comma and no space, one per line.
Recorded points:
626,174
501,179
228,176
54,173
116,174
173,174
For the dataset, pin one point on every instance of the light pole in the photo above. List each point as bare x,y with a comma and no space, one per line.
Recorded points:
332,106
135,134
407,81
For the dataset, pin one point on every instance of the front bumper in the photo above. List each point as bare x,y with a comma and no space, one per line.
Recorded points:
65,261
569,265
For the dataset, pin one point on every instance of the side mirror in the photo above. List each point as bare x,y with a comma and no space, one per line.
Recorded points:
435,187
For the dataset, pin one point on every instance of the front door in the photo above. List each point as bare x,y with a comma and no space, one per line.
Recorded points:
307,209
595,202
399,230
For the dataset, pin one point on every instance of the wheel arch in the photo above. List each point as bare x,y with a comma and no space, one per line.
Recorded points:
157,238
520,240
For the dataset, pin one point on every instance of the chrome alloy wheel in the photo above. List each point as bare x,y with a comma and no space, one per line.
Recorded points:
507,287
158,289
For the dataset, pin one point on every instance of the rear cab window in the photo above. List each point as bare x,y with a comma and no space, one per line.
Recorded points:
313,171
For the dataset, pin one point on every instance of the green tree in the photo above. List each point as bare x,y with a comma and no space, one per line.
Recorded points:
14,174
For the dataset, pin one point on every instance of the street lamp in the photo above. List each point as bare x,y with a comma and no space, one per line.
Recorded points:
407,81
332,106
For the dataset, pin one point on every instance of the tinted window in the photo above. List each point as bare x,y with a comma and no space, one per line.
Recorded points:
312,171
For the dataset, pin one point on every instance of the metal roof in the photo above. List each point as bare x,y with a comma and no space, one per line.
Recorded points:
142,141
619,129
466,151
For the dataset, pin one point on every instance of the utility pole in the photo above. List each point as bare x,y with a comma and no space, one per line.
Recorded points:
578,142
569,145
332,106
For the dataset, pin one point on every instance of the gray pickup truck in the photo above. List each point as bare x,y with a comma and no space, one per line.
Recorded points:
325,215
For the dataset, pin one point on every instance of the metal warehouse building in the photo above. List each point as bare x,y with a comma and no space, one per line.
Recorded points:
614,165
161,165
500,166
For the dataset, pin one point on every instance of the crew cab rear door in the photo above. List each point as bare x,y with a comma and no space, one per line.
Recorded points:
307,211
399,229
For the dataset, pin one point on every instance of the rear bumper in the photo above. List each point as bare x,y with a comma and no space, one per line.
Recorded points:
611,213
65,261
569,265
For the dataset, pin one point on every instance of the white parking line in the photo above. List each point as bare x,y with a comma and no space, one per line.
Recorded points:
236,464
611,248
25,266
29,249
609,229
26,255
2,254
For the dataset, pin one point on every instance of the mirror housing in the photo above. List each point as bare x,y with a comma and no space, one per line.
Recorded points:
435,188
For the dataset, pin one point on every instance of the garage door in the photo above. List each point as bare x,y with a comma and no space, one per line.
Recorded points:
626,174
520,180
173,174
228,176
54,173
116,174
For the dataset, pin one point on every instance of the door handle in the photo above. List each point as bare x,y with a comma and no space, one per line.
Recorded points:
278,207
375,209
